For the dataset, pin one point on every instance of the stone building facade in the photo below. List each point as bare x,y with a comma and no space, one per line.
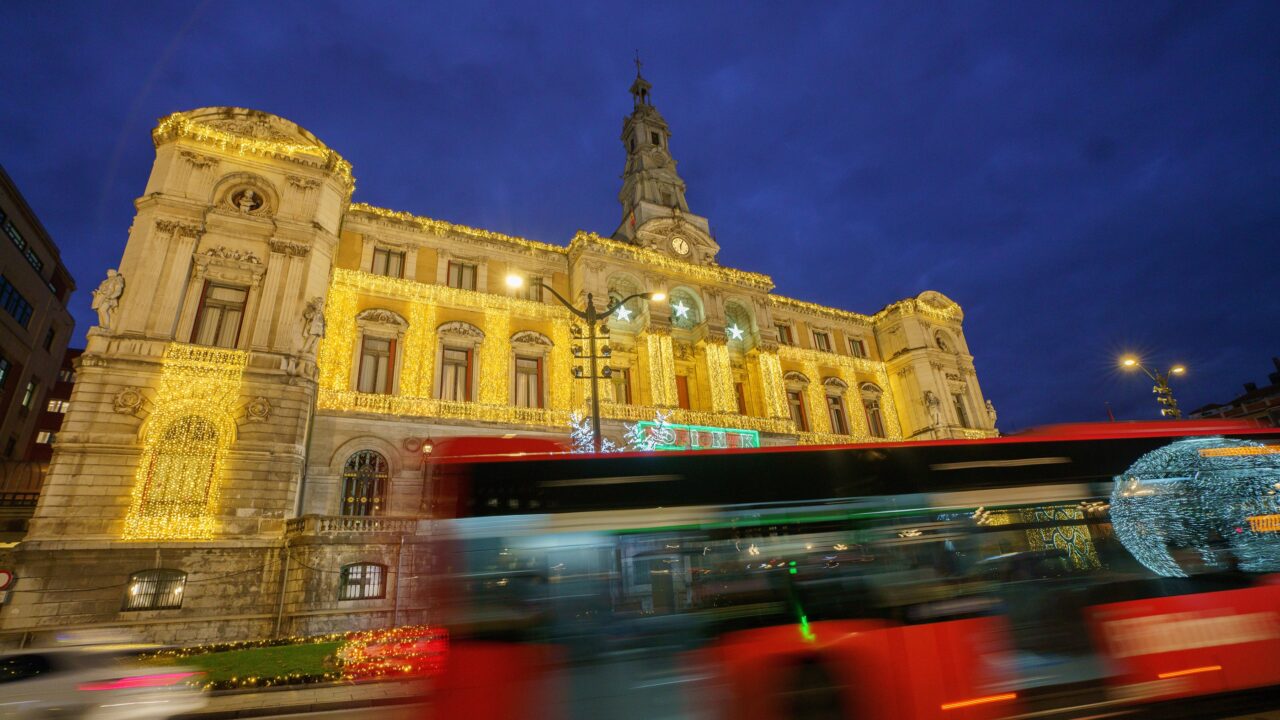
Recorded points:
244,448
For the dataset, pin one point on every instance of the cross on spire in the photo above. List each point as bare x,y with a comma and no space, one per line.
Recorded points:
638,63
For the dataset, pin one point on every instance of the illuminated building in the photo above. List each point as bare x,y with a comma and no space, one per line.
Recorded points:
1257,403
256,401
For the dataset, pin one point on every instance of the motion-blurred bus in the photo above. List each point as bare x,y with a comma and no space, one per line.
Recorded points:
1081,570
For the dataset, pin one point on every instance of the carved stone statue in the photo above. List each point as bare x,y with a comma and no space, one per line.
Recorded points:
107,297
312,325
934,405
247,201
991,413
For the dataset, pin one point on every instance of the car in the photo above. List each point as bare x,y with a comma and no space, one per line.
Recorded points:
101,682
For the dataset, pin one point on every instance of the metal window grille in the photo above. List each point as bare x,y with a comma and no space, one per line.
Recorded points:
362,581
364,483
155,590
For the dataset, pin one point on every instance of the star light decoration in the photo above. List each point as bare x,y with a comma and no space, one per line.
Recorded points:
623,314
681,310
735,332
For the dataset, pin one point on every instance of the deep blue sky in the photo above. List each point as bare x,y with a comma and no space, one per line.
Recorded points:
1084,179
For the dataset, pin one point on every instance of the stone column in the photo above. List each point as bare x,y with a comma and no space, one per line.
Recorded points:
662,368
496,358
771,388
719,375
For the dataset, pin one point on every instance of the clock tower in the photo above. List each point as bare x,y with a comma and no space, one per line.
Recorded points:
654,210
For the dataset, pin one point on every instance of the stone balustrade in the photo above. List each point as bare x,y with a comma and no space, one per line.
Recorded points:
349,525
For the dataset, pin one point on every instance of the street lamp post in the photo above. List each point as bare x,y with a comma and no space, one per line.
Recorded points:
592,318
1163,393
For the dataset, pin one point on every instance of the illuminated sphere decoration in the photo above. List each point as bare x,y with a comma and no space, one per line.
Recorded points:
1211,498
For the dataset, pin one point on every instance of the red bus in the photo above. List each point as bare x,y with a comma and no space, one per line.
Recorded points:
1092,567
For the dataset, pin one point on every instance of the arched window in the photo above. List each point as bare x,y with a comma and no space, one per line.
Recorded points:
181,469
795,385
835,389
871,404
686,309
739,327
155,590
362,581
364,483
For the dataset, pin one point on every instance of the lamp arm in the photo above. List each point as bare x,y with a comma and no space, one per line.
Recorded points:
563,302
622,302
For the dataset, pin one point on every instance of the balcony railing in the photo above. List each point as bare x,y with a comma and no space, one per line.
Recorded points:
349,525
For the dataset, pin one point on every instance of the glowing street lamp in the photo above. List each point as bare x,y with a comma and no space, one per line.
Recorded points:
1163,393
597,329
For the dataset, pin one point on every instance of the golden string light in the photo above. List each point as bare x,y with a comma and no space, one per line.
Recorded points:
338,345
350,290
176,488
419,351
720,377
785,303
771,384
662,369
447,228
583,241
181,125
495,354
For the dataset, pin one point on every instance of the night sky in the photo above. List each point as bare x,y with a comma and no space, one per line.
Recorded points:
1084,179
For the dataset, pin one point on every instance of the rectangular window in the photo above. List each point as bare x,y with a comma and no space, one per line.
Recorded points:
857,347
455,374
220,315
34,259
621,385
795,400
14,303
377,365
4,371
655,138
682,391
58,406
528,382
462,276
388,262
531,290
9,445
784,334
821,341
64,375
875,424
19,241
362,582
29,395
48,340
155,590
44,437
961,414
740,391
835,408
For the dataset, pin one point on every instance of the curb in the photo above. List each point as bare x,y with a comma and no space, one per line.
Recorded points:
266,711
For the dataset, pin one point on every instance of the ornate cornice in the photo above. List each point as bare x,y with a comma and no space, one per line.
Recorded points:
177,227
287,247
447,228
785,303
187,126
584,241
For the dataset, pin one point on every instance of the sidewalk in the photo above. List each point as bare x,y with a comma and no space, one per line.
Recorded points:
337,696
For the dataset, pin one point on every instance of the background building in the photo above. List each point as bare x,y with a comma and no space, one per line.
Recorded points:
244,439
35,326
1257,403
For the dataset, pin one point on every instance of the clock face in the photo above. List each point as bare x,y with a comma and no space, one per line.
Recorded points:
680,245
